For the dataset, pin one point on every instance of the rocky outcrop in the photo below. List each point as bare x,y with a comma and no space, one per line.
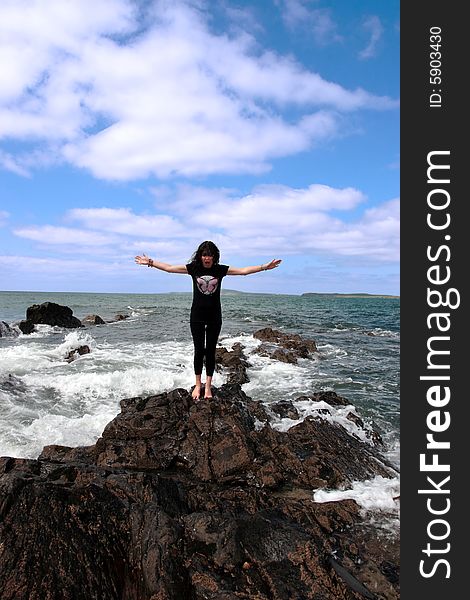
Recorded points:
331,398
76,352
120,317
26,327
234,362
7,331
193,500
93,320
13,385
285,347
49,313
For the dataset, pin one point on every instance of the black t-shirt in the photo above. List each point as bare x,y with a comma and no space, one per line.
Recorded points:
206,291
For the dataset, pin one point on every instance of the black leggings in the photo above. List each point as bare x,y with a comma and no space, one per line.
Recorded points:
208,333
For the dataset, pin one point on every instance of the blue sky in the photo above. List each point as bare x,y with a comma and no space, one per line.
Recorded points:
269,127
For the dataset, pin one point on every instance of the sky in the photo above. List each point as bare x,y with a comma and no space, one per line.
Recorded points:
270,127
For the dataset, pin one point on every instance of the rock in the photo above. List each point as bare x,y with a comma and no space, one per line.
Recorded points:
285,347
50,313
217,441
181,499
329,397
285,409
7,331
13,385
235,362
72,355
333,399
93,320
372,434
26,326
121,317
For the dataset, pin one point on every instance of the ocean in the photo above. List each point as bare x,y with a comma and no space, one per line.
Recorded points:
46,400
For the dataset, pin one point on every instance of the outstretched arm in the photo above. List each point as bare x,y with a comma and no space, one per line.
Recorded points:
249,270
149,262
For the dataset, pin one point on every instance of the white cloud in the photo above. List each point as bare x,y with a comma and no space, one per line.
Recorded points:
10,163
241,20
86,83
124,221
4,215
373,26
62,270
51,235
26,263
278,211
282,220
272,220
299,14
39,34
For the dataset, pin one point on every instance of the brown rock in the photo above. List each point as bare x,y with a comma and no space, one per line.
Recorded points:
234,362
180,500
93,320
72,355
285,347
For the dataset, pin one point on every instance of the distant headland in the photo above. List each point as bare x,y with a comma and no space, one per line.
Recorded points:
359,295
229,292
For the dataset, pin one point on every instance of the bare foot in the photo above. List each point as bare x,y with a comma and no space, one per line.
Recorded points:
196,393
207,392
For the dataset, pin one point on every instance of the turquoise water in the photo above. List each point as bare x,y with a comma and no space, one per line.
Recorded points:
53,401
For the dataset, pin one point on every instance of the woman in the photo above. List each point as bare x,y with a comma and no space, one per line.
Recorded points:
206,311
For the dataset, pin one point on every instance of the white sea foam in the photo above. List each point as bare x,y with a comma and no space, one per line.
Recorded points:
272,380
32,355
47,429
51,401
377,331
73,340
267,376
113,373
42,331
19,359
379,499
373,495
393,449
246,340
332,414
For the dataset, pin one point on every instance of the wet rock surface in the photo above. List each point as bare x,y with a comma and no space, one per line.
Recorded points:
26,326
12,385
120,317
234,362
93,320
76,352
285,347
193,500
49,313
7,331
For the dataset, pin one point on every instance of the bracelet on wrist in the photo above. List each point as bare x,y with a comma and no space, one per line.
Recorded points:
150,263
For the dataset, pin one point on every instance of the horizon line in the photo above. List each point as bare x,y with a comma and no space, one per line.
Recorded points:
225,290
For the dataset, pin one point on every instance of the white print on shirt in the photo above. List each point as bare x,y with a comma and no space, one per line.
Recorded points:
207,284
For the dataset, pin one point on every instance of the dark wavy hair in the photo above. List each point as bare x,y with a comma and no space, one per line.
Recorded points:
207,248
